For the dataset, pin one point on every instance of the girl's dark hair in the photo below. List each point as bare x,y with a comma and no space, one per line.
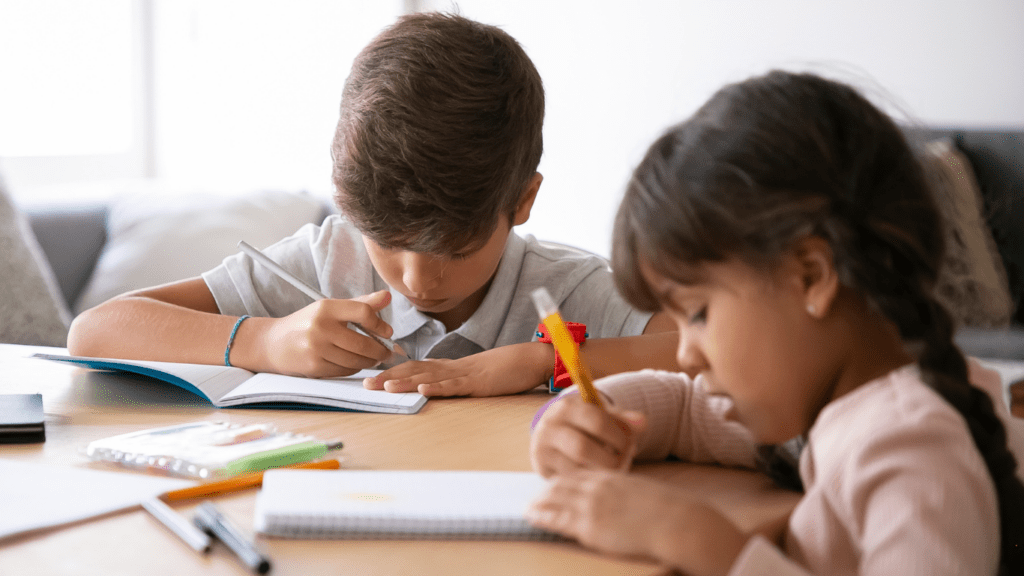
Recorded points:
439,133
779,157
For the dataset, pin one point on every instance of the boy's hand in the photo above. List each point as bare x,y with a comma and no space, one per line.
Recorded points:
504,370
316,341
638,517
573,435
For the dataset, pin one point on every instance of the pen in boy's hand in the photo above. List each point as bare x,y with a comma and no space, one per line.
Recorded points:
565,346
311,292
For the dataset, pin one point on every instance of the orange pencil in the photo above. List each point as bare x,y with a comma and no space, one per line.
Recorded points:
237,483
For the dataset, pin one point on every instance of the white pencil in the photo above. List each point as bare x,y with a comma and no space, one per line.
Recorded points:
308,290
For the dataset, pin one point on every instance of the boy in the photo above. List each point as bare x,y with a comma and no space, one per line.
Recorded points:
435,157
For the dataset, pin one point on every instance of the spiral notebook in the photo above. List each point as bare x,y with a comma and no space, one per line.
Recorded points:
369,504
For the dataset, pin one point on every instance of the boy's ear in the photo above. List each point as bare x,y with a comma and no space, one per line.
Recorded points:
526,201
818,276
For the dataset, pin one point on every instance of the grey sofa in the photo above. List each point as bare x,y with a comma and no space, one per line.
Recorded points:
73,237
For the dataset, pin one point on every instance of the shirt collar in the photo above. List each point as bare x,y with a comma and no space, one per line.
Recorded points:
483,327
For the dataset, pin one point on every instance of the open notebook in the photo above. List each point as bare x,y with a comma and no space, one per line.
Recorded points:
370,504
228,386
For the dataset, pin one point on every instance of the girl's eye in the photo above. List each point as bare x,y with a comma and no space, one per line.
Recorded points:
700,317
461,256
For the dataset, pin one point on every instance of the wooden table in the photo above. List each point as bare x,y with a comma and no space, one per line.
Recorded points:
448,434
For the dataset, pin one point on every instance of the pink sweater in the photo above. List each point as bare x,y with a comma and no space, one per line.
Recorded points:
893,482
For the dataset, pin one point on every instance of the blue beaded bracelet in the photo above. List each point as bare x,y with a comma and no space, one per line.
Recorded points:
231,340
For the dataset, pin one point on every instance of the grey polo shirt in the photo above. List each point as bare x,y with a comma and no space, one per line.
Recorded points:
332,258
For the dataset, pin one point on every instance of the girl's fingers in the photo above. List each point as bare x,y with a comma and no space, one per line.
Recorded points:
580,450
548,461
594,422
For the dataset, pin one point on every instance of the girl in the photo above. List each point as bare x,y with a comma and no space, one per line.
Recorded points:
788,230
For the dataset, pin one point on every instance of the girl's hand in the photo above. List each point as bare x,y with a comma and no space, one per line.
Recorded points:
573,435
316,341
504,370
631,516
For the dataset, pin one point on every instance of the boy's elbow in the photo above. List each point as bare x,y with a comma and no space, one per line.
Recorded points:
77,342
82,340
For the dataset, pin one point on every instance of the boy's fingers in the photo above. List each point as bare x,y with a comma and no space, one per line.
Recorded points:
377,300
363,310
450,387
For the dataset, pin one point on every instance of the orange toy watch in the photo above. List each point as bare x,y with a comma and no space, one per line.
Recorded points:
561,379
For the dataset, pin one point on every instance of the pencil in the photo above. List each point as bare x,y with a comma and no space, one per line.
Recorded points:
309,291
237,483
565,346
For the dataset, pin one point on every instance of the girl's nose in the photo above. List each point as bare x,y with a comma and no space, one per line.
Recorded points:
421,272
690,359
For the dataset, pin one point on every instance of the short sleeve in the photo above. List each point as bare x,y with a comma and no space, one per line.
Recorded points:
330,258
595,302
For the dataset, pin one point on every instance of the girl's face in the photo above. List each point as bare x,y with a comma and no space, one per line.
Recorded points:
751,338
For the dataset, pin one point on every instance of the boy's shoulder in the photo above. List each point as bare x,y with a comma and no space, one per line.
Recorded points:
553,257
334,237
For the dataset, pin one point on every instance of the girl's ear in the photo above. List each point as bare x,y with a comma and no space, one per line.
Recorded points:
818,276
526,202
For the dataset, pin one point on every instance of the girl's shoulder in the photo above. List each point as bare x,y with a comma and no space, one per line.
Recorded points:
899,425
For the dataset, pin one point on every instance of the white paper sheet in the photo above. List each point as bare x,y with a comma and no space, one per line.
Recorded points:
34,496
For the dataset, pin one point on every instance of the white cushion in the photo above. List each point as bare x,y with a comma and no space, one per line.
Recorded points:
973,282
32,311
165,234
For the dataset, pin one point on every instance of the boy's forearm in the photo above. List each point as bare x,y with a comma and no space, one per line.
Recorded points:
143,328
607,356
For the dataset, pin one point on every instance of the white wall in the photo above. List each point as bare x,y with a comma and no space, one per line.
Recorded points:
247,92
617,73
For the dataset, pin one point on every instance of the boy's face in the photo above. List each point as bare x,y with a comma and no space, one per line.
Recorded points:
449,288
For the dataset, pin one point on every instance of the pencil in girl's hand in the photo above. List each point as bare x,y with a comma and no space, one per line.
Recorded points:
310,291
565,346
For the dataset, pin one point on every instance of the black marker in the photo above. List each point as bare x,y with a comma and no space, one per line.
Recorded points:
211,521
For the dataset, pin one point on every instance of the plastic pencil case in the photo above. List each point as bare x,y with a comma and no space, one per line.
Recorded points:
194,450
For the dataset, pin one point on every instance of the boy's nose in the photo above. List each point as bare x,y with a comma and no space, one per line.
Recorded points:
421,272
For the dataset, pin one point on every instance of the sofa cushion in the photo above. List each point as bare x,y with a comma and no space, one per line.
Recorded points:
32,311
167,233
973,283
997,158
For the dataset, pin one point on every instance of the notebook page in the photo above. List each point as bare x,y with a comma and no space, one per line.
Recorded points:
299,389
370,503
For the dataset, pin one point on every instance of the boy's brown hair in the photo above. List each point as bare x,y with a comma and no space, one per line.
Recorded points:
439,134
